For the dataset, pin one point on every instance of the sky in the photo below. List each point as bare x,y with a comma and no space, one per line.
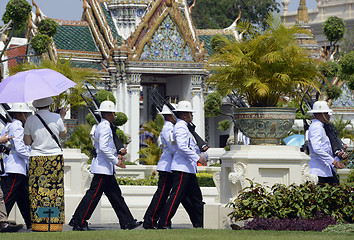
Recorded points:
72,9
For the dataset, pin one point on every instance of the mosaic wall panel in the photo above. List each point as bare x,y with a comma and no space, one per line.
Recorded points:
346,100
167,44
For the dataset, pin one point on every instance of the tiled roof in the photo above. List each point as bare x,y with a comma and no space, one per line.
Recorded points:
111,24
15,52
92,65
207,39
74,37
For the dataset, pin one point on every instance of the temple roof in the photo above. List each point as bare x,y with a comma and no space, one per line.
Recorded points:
205,35
111,24
74,37
92,65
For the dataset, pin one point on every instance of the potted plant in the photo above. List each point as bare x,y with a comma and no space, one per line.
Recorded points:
262,68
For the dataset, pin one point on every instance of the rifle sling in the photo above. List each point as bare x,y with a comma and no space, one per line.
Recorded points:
117,142
50,131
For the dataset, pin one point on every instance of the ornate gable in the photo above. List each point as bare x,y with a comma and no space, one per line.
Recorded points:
165,35
166,44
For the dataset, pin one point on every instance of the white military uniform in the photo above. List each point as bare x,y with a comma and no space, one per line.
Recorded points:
164,184
185,188
103,168
17,161
168,148
107,156
320,151
4,131
186,156
15,188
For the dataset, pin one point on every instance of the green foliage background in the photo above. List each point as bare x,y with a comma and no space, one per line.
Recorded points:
211,14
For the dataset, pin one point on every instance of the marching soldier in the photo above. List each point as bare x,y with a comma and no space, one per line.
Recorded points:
164,168
5,226
185,188
15,186
103,168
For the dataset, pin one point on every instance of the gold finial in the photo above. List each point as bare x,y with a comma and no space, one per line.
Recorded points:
302,13
84,5
239,16
191,7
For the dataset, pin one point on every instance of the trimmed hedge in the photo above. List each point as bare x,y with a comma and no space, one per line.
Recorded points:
294,201
204,180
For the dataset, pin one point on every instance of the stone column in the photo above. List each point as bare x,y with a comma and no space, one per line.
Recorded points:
132,104
198,104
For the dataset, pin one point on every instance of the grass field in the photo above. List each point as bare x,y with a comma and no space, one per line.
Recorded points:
180,234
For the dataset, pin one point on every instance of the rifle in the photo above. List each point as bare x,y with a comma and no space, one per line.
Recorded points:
94,106
5,119
237,101
203,146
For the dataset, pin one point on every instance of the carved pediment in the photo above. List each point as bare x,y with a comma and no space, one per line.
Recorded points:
165,35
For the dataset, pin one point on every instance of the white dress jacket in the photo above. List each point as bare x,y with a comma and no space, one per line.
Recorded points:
107,156
168,148
17,160
186,156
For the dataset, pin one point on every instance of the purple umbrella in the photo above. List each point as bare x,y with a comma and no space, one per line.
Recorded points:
33,84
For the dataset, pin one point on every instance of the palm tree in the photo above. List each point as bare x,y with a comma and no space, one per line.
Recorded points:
79,75
264,66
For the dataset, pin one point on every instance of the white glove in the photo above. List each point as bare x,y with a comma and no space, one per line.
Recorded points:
205,156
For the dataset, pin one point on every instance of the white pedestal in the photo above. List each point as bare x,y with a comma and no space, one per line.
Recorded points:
264,164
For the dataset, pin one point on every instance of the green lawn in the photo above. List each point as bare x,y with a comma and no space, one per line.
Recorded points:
180,234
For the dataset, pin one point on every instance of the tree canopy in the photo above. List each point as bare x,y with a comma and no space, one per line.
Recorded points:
221,14
334,29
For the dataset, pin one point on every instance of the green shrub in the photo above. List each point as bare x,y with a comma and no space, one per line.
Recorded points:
81,139
306,201
350,178
120,119
48,26
204,180
148,181
40,43
103,95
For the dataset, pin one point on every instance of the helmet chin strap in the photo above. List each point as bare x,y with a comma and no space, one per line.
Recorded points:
325,118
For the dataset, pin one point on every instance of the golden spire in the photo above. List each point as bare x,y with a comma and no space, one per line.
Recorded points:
302,13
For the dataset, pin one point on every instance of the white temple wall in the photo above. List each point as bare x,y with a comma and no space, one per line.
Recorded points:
325,9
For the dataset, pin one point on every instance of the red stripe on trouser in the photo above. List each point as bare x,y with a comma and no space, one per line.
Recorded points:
8,195
180,181
152,217
83,219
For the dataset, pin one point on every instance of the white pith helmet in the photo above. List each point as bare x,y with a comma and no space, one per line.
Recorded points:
165,110
184,106
107,106
321,107
19,107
